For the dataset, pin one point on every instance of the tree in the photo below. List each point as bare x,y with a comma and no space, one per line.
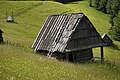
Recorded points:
115,30
102,6
90,3
97,4
108,6
112,9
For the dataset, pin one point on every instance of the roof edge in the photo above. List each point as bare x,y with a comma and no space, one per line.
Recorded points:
67,14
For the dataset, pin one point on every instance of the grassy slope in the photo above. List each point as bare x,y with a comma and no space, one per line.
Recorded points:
101,22
17,63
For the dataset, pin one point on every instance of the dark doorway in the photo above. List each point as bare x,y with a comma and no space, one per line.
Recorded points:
71,57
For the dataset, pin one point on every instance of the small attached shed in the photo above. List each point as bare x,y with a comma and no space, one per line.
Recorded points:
69,37
107,40
1,37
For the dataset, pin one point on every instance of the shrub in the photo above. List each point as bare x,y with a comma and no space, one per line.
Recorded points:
115,30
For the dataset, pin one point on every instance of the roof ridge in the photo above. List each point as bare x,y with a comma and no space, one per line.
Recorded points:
67,14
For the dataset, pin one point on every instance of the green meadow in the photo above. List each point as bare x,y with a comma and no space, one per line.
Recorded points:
19,62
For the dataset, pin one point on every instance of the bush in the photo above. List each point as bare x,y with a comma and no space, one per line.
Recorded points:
115,30
97,4
102,5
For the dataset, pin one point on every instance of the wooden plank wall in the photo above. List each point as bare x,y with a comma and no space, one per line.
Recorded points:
85,36
1,37
83,55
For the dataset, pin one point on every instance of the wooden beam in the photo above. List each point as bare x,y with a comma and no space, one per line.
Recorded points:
73,54
67,57
102,54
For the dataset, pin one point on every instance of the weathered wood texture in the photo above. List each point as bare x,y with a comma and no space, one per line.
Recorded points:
85,36
102,54
56,32
83,55
75,56
107,40
68,33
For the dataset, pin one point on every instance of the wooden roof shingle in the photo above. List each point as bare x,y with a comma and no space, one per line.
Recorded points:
67,32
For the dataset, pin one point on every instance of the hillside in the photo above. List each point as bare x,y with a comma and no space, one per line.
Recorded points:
19,62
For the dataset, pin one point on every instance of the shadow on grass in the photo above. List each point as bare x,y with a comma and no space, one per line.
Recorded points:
14,22
98,61
115,47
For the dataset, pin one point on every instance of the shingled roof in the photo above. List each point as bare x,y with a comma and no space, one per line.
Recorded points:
68,32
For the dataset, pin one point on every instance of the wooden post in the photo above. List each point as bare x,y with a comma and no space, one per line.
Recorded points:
102,54
12,14
73,57
67,57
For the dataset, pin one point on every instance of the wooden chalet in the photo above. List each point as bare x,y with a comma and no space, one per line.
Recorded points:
69,37
1,37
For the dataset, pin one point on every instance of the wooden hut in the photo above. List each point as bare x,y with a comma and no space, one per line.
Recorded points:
69,37
9,18
1,37
107,40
